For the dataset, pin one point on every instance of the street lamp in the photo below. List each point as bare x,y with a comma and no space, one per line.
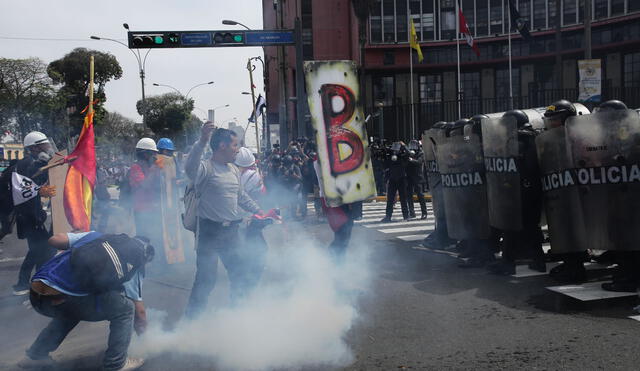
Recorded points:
178,91
142,61
229,22
167,86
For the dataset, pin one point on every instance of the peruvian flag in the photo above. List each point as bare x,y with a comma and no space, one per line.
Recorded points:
464,29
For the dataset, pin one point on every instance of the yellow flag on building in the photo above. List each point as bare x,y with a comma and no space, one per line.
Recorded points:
413,42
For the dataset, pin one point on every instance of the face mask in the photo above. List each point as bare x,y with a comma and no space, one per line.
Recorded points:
44,156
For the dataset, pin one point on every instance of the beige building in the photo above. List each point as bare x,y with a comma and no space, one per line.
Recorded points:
11,151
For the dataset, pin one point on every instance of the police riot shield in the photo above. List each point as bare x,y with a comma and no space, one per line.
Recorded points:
500,145
430,142
605,148
561,200
464,190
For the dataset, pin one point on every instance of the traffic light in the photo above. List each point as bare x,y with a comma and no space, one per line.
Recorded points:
228,38
154,40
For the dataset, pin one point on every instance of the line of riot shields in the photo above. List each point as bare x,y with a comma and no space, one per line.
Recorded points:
496,179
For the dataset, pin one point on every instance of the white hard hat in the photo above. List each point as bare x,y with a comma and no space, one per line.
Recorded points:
35,138
245,158
148,144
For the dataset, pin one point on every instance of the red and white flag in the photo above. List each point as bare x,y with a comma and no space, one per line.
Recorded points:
464,29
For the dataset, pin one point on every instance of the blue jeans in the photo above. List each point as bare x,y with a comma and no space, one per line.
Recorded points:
110,306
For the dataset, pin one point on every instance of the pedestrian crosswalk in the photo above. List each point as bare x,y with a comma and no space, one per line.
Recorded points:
410,231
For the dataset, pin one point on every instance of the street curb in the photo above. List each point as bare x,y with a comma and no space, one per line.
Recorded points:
427,197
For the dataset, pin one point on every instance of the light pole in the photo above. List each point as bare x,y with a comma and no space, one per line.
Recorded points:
142,61
179,92
229,22
168,86
213,112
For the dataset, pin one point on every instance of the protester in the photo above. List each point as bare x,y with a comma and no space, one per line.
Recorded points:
95,277
30,216
219,215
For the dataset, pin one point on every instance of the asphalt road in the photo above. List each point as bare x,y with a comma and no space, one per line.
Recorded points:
420,312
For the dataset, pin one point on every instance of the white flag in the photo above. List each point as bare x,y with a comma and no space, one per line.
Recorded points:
23,188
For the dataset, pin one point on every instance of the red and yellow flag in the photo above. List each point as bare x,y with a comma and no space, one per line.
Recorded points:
81,176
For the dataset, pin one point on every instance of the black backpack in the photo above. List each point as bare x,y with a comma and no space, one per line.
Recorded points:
107,262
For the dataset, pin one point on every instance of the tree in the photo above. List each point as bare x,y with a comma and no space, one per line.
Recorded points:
28,99
72,72
116,135
167,113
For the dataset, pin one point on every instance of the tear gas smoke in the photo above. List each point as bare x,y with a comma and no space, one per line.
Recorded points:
297,316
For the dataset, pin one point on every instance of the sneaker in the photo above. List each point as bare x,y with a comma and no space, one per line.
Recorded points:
19,290
423,217
386,219
132,364
28,362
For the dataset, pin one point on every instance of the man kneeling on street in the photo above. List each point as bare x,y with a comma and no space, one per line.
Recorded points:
95,277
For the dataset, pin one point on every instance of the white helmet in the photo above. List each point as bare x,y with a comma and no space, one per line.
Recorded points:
245,158
35,138
148,144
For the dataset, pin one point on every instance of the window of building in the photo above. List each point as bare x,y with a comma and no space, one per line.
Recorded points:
539,15
402,34
414,11
375,22
600,9
632,70
430,88
569,12
502,83
482,17
470,85
428,20
633,6
524,8
447,20
469,14
495,15
551,11
617,7
383,90
388,21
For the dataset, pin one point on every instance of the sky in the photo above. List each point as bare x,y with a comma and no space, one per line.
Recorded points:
180,68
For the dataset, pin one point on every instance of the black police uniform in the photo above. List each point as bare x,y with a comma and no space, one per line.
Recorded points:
396,167
415,179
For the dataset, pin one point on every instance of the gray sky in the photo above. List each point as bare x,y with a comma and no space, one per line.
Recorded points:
180,68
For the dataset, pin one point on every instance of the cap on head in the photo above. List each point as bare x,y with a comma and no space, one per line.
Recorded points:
245,158
612,105
166,143
147,144
520,117
34,138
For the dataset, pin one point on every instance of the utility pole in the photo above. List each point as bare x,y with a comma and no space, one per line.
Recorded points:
250,67
282,81
300,91
587,29
558,66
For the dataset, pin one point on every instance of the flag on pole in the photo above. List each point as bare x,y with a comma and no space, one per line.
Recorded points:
261,104
81,176
413,42
464,29
518,22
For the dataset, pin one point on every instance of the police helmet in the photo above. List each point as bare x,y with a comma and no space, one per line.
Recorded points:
287,159
414,145
276,158
521,117
561,108
478,118
439,125
612,105
457,128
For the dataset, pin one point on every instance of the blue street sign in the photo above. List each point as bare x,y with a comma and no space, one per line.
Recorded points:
196,39
261,38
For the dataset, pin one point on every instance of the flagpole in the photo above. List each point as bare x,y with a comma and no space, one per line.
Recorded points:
458,53
510,68
91,72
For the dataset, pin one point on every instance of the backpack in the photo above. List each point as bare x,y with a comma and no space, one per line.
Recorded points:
107,262
191,201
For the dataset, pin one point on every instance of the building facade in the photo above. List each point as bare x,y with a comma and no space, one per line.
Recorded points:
544,68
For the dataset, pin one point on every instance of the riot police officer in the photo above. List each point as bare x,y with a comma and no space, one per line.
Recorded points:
415,162
396,167
514,190
562,204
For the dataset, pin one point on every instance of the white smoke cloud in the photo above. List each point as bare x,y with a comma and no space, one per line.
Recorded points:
298,316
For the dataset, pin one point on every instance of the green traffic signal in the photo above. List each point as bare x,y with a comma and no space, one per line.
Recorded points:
158,40
237,38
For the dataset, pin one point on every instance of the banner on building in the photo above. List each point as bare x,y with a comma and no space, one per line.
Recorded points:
589,87
338,119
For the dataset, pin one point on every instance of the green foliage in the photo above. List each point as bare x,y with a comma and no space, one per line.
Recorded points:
28,99
167,114
72,72
116,136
